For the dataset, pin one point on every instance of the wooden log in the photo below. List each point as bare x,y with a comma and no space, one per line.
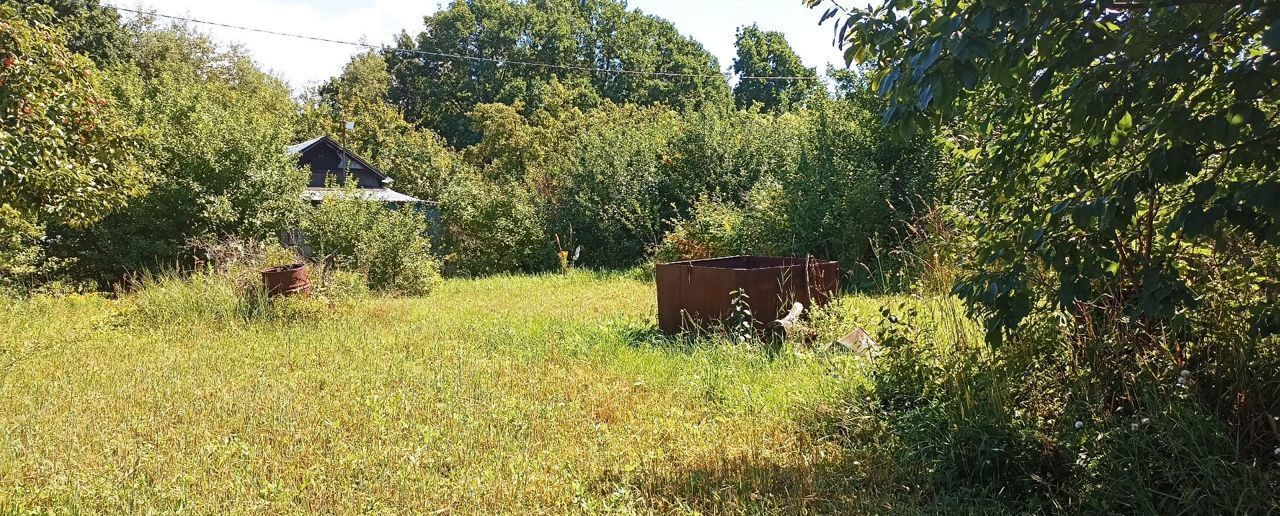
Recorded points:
784,328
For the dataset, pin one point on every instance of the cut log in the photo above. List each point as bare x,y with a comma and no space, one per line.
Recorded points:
784,328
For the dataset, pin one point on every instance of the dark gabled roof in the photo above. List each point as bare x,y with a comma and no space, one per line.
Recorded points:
307,145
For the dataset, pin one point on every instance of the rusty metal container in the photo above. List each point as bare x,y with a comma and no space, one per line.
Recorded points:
699,292
286,280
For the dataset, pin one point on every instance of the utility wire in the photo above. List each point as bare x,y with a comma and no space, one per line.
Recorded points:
443,55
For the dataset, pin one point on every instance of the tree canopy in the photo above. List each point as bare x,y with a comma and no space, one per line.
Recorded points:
767,54
89,28
437,92
66,153
1108,142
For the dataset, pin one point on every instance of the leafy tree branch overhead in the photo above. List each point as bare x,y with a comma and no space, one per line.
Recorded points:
1106,142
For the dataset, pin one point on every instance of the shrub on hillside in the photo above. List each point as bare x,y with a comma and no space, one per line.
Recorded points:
390,247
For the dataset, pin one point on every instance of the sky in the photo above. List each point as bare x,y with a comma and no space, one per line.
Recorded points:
304,63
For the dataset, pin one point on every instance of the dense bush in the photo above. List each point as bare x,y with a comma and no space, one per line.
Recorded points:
493,227
825,181
215,128
1032,424
612,203
390,247
66,153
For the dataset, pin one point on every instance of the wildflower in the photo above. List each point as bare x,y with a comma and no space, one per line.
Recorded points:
1133,426
1277,452
1079,425
1146,421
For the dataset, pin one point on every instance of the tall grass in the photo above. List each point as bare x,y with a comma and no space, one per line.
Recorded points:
555,394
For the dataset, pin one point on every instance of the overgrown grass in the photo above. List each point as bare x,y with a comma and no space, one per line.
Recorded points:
546,394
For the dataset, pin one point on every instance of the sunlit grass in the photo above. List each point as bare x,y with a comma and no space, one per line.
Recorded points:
507,394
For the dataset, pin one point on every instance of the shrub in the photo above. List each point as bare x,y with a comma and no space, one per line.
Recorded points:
389,246
493,227
214,129
613,205
714,229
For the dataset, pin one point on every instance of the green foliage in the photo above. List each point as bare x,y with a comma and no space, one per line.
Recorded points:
439,93
713,229
767,54
91,29
390,247
215,128
67,156
1107,142
824,181
613,202
493,227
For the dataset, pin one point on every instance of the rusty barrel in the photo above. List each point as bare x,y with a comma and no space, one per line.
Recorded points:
699,292
286,280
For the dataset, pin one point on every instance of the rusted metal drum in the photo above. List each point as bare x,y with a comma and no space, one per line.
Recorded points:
286,280
698,292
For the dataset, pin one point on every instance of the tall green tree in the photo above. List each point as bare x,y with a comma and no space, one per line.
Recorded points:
437,92
768,54
1110,145
90,28
67,156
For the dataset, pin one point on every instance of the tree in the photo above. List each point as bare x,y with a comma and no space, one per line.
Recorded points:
767,54
67,156
1109,144
437,92
90,28
214,131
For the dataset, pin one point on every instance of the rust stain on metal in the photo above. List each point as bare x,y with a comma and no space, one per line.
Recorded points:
286,280
701,291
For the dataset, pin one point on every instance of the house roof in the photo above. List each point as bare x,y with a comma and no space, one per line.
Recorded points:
371,194
325,139
299,147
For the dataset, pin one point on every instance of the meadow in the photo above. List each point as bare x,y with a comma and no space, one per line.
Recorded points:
545,394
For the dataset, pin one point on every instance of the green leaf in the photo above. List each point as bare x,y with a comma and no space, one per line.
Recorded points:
984,19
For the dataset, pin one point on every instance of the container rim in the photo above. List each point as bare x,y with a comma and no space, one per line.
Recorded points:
285,268
702,262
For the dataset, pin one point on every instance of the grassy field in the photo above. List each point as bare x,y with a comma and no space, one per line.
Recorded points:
544,394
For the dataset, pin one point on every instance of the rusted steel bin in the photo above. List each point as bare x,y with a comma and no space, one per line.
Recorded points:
700,291
286,280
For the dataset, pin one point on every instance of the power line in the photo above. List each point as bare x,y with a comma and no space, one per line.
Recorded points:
444,55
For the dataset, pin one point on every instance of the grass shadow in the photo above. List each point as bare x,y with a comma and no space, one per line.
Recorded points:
759,485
